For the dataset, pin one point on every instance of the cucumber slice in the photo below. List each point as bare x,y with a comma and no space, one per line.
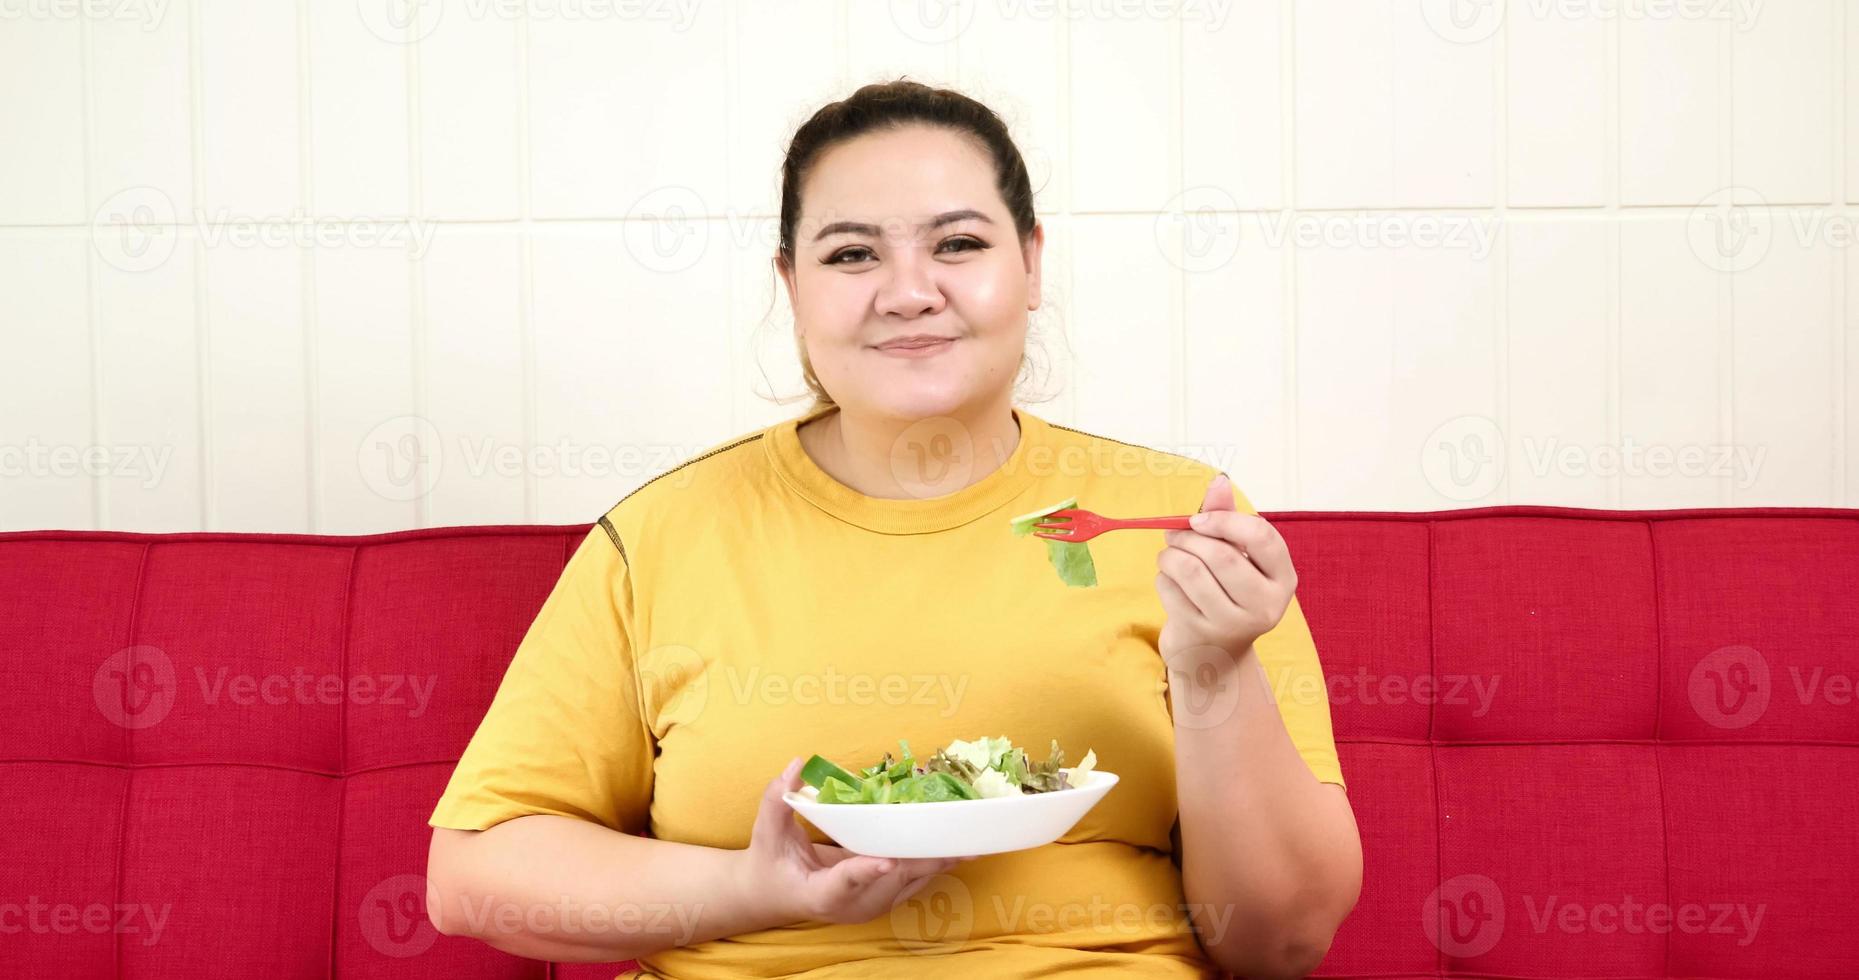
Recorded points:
1036,515
1023,525
818,768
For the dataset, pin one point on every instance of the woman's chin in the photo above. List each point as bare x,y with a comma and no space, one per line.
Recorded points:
923,401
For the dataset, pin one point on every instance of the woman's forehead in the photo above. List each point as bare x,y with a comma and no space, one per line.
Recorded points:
902,175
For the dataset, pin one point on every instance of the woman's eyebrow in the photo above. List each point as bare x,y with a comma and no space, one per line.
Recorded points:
871,230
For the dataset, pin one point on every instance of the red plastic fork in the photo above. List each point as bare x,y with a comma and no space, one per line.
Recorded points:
1082,525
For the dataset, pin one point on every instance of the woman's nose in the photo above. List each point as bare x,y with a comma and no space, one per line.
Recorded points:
910,289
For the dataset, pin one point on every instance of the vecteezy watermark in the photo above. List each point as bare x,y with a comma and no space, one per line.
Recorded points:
136,687
1730,229
1371,690
1729,687
830,686
1201,228
408,21
1465,458
942,21
1472,21
39,917
665,230
136,229
403,457
677,684
148,13
1633,917
33,459
1103,917
1203,688
393,918
396,921
1733,228
939,918
1466,916
1732,687
937,455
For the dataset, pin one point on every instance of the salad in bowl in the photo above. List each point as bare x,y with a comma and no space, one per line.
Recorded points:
984,796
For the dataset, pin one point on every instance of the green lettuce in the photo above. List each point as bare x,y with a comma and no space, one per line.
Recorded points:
1071,558
981,769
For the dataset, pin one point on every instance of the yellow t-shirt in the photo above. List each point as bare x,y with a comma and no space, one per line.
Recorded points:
746,608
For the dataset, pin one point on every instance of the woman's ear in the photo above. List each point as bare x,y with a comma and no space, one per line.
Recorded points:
787,279
1034,252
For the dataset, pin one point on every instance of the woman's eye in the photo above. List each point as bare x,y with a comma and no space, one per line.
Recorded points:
860,253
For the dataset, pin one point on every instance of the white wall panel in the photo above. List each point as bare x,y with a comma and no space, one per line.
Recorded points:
546,227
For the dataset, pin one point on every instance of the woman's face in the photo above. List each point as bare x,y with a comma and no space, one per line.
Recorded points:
902,233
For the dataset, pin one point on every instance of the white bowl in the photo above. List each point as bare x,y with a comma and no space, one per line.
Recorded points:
952,828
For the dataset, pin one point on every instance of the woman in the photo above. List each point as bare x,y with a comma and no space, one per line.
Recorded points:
846,579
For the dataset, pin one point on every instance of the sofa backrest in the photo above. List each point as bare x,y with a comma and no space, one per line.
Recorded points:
1585,743
1577,742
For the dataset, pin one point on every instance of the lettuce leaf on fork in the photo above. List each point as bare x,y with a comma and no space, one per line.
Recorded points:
1071,558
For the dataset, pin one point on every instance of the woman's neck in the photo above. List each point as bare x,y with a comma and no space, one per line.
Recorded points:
902,459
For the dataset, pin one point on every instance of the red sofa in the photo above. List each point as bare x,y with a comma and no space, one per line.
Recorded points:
1579,743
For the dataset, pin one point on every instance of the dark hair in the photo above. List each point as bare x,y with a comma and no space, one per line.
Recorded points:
883,106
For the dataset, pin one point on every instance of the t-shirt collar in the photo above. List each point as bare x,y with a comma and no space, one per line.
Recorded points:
904,515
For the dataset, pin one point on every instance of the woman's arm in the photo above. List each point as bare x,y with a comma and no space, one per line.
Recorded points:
573,891
1271,859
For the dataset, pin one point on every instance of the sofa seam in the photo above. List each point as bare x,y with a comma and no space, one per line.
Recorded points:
342,755
1658,722
1439,828
122,828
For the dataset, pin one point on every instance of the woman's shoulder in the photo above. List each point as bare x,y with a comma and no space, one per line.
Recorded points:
1133,472
712,478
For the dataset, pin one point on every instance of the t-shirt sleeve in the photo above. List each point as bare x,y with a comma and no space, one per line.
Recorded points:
1289,655
564,733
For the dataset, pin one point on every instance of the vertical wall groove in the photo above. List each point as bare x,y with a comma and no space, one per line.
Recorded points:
1842,266
1726,285
1287,180
1610,32
416,268
526,283
203,333
312,379
1501,251
92,201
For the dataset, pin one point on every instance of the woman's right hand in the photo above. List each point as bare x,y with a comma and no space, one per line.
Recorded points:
822,882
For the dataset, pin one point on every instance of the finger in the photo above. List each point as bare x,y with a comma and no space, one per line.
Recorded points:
1198,583
917,867
859,872
1218,495
1174,601
913,888
1238,578
830,854
1254,536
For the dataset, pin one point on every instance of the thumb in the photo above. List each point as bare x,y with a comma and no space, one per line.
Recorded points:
1219,495
861,870
774,815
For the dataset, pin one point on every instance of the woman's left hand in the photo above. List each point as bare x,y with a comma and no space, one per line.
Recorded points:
1224,583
